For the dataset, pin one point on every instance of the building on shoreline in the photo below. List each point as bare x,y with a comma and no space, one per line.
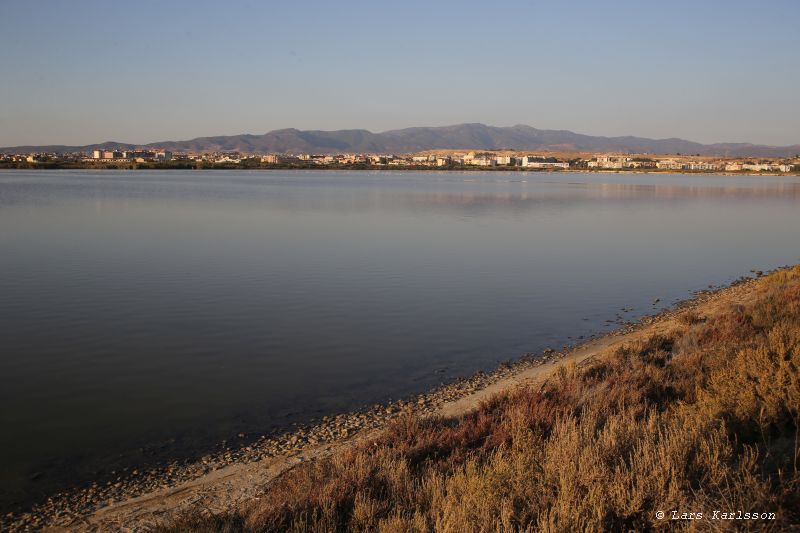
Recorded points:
489,159
131,155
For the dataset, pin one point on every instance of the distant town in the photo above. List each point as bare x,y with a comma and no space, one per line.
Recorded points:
435,159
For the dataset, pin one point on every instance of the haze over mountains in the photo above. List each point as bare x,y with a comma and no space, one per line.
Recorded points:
457,137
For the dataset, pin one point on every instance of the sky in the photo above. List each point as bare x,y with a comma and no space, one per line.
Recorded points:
84,71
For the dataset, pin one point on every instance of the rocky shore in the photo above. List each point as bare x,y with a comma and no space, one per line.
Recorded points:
73,509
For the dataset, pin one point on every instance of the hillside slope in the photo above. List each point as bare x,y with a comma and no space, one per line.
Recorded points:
461,136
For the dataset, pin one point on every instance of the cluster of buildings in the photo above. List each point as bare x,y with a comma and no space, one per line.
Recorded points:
612,161
131,155
490,159
35,157
484,159
119,156
487,159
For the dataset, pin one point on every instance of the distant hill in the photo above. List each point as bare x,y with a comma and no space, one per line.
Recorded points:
458,137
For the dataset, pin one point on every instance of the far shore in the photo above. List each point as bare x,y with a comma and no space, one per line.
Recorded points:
187,165
237,474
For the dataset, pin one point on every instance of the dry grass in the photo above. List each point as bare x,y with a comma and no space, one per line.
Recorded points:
704,420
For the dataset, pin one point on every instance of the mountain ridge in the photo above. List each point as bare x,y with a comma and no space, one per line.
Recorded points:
468,136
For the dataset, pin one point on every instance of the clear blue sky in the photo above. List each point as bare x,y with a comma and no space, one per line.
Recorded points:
84,71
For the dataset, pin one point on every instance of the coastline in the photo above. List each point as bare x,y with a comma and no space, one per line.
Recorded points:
362,168
238,473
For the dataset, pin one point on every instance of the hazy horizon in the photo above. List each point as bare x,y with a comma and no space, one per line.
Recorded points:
88,72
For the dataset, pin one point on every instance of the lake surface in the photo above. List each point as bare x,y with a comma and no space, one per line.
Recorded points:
146,314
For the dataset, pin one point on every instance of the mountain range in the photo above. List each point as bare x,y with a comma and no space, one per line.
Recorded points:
458,137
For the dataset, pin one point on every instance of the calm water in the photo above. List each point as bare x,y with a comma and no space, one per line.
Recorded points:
147,314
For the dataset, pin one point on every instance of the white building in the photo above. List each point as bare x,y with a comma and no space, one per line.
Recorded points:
534,162
700,165
669,164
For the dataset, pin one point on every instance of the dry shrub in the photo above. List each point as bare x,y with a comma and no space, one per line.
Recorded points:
205,523
690,317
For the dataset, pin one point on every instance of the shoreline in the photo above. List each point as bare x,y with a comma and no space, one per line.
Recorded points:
342,168
223,479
